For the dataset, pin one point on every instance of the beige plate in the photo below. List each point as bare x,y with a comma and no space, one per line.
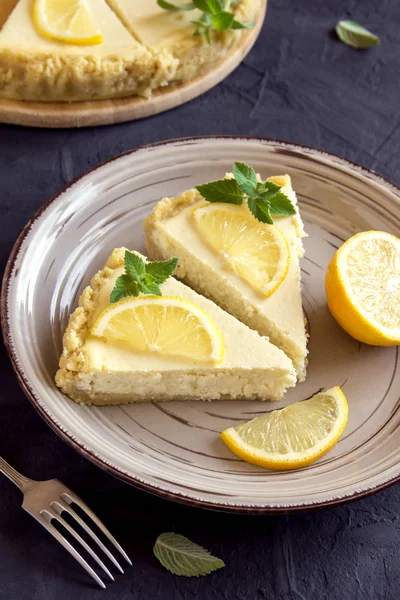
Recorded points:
107,112
173,449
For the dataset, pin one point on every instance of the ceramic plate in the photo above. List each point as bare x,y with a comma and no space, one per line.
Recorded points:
173,449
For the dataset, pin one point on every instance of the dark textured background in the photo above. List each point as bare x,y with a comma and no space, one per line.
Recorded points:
298,84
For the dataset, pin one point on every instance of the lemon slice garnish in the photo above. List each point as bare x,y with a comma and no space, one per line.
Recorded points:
292,437
363,287
256,252
165,325
66,21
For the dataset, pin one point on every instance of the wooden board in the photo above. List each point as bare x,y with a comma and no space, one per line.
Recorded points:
107,112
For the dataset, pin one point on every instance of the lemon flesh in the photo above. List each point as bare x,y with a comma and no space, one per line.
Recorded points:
66,21
363,287
165,325
293,437
256,252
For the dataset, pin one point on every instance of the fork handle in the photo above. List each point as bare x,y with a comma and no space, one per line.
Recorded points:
7,470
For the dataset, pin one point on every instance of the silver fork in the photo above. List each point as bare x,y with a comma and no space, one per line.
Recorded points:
46,501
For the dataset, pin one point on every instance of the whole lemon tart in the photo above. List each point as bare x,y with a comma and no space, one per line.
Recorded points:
135,47
177,346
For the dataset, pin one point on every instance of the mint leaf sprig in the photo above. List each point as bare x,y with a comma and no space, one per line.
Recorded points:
183,557
216,16
141,277
264,198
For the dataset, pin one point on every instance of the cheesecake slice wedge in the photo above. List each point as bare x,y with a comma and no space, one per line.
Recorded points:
171,231
96,371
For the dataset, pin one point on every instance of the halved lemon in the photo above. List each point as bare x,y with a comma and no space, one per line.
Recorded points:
67,21
294,436
257,252
363,287
165,325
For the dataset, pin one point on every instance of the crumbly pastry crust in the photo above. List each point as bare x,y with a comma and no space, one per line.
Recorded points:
49,77
223,293
56,76
84,385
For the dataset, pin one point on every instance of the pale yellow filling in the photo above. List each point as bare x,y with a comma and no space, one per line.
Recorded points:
152,25
19,32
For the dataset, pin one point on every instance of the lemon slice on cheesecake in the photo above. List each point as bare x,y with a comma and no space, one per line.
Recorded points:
293,437
66,21
257,252
166,325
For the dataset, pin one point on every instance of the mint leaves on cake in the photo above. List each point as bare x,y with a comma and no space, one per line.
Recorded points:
142,277
264,198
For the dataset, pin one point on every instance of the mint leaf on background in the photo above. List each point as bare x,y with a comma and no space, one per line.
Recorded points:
355,35
183,557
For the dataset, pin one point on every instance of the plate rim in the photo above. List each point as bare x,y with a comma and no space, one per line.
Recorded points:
90,455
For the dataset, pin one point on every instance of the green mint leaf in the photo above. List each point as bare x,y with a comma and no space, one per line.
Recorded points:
281,206
225,190
161,270
355,35
141,277
208,36
183,557
135,267
124,286
260,210
238,25
269,187
222,21
208,6
246,178
151,288
169,6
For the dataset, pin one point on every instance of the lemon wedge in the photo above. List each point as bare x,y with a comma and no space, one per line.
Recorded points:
166,325
66,21
293,437
255,251
363,287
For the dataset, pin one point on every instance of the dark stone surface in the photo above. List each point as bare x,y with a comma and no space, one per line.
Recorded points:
298,84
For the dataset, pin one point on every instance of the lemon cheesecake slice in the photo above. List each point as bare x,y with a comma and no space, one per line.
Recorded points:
224,257
35,67
178,346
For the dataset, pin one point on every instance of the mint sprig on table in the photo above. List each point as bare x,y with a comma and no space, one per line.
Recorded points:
355,35
264,198
141,277
216,16
183,557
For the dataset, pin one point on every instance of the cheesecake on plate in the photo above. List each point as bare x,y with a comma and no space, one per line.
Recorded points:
101,370
143,48
171,231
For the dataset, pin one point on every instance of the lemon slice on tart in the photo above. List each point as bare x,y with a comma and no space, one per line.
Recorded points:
293,437
363,287
165,325
67,21
257,252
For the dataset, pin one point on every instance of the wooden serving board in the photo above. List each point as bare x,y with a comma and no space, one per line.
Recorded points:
107,112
